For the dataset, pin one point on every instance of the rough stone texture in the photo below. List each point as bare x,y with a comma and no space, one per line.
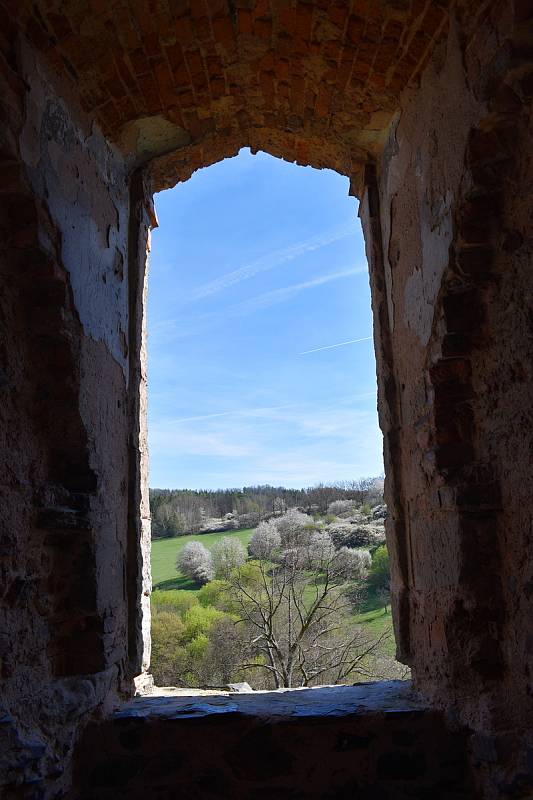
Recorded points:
428,113
64,442
374,740
449,241
317,82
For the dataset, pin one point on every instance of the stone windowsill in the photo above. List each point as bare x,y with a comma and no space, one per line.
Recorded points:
380,697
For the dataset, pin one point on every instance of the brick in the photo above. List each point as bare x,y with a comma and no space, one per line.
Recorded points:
354,32
223,32
463,310
476,262
282,69
184,31
139,62
451,369
262,28
323,101
338,14
124,72
202,29
245,21
150,93
304,20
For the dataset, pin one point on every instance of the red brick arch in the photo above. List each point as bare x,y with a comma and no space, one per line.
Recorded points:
315,82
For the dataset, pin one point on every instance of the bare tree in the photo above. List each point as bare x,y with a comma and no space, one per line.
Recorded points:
296,615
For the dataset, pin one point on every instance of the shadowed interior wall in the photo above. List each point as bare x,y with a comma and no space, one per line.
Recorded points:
65,424
449,243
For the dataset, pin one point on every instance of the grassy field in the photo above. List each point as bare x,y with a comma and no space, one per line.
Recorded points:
165,551
372,615
165,576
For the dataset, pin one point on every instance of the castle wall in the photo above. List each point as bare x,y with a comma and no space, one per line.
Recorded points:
449,243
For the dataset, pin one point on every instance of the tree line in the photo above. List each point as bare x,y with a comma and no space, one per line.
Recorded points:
181,511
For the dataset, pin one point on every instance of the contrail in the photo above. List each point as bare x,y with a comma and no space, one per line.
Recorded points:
237,412
331,346
269,262
285,293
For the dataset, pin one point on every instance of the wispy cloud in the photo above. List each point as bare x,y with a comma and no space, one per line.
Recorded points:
269,261
276,296
239,412
331,346
170,329
294,445
168,440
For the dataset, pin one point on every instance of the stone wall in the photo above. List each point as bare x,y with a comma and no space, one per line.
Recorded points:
65,425
449,243
313,81
375,741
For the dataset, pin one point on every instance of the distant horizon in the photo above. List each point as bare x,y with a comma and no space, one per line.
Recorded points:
329,484
261,366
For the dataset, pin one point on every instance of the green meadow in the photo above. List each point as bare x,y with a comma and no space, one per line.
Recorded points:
165,575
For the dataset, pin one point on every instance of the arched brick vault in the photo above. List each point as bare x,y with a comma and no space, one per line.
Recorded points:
291,76
425,107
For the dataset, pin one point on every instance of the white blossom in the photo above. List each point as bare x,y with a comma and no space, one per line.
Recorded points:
353,564
195,561
265,540
227,554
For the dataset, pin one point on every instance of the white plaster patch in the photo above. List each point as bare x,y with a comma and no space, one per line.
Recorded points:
422,286
84,186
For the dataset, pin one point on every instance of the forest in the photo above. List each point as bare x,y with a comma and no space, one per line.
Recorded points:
178,512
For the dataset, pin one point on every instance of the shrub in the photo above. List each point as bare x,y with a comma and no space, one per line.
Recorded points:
354,564
338,507
195,561
265,540
177,602
320,550
345,534
198,619
169,657
294,528
379,575
213,594
227,555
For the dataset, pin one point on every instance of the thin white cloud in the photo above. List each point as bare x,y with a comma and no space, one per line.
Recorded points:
299,446
275,296
167,441
244,412
331,346
169,330
269,261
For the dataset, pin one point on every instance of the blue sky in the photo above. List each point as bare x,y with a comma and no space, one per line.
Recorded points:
256,268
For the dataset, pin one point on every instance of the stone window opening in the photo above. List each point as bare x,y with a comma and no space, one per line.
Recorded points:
426,108
367,640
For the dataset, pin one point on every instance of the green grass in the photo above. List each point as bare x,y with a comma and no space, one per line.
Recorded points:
166,577
372,615
165,551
